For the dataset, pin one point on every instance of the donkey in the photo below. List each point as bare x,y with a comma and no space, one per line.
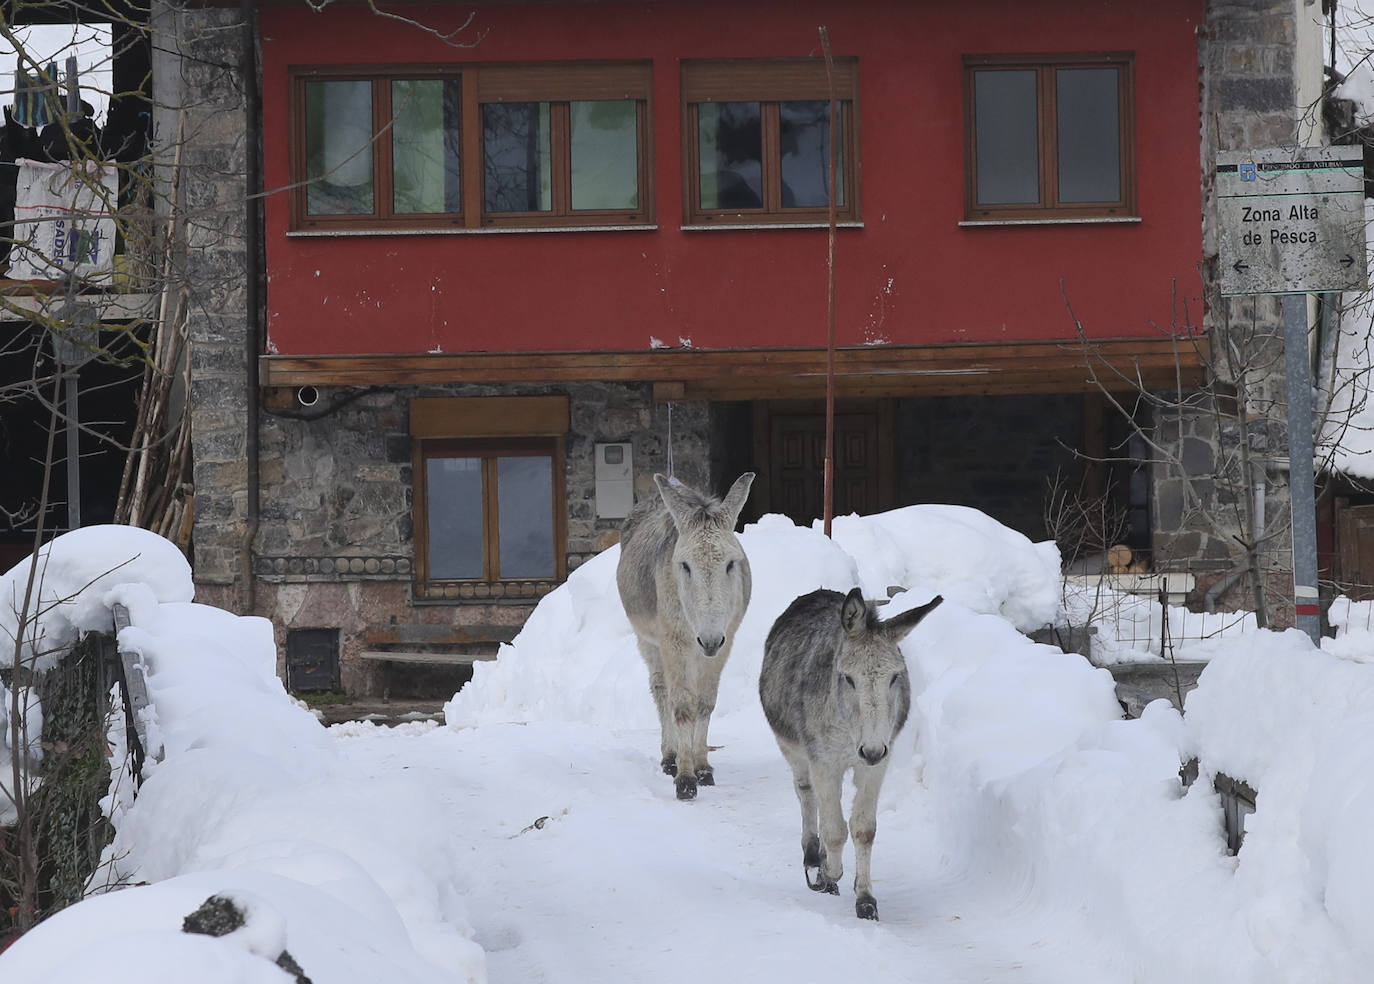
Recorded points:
684,581
836,692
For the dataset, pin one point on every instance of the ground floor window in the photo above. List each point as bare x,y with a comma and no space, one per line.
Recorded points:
489,499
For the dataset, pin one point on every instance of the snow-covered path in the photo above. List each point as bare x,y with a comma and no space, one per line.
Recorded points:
624,883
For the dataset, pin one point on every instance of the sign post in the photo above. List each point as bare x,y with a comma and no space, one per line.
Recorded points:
1291,222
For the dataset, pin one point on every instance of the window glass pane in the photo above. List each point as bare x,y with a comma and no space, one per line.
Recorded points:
516,159
424,145
453,497
730,137
804,138
1006,136
525,516
605,154
338,148
1089,125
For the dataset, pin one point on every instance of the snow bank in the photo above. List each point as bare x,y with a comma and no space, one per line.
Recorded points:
576,657
250,797
74,571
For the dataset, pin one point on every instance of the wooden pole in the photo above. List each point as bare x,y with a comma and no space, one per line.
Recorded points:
828,489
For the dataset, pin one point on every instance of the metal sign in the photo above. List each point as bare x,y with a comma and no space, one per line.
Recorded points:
1291,220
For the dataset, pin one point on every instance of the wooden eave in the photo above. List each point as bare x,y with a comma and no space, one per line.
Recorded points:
1066,366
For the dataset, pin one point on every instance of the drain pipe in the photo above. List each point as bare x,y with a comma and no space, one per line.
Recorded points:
253,334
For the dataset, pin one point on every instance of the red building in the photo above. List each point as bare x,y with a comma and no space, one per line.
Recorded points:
518,257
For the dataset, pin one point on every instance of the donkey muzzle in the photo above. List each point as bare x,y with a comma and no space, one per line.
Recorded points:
710,645
872,754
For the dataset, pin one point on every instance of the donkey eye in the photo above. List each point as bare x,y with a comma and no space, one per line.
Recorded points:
893,681
849,679
687,568
729,566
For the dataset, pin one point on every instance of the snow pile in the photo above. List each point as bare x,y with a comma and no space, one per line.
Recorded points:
1297,724
1354,625
73,573
974,560
250,799
576,658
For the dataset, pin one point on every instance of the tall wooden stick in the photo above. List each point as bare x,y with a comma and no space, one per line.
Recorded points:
828,490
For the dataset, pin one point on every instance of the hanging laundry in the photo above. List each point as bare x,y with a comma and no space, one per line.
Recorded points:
35,101
64,222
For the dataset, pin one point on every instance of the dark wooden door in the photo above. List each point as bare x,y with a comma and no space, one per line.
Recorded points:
797,462
1355,543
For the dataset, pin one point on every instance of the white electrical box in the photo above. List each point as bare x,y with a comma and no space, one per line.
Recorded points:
615,481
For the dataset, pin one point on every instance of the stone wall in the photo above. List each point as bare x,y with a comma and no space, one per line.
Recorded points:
336,543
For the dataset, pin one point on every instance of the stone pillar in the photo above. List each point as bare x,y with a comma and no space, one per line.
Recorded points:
198,94
1253,57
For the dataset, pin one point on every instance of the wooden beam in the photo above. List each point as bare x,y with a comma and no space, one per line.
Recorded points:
878,370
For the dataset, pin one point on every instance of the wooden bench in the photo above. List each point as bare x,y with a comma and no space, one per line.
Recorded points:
444,644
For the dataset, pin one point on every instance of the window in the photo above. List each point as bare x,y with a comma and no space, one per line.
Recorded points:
486,146
756,141
1049,137
489,504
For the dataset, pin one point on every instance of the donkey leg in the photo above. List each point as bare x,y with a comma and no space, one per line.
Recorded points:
707,686
863,825
680,706
653,659
685,717
813,856
829,782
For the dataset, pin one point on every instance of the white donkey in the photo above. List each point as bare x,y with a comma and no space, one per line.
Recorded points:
684,581
836,691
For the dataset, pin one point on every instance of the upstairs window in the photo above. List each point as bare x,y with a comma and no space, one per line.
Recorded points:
1049,137
756,141
487,146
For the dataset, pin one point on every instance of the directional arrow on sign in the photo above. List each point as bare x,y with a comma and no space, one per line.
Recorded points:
1240,267
1347,260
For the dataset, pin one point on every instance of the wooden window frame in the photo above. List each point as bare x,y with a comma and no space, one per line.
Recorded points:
556,83
769,82
1049,207
488,428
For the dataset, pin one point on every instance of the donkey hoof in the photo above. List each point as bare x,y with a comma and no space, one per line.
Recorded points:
705,777
686,787
866,907
669,765
817,882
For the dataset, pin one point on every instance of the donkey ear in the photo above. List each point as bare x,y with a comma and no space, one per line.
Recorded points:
734,500
675,497
899,626
854,612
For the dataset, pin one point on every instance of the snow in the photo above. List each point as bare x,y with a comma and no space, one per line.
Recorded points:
1027,832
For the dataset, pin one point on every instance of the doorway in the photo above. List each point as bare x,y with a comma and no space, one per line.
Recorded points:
792,457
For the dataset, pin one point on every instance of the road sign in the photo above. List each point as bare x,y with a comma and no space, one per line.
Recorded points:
1291,220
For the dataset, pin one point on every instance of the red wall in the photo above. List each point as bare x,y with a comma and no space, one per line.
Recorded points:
912,275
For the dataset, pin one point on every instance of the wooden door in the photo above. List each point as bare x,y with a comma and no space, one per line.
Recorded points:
1355,546
796,463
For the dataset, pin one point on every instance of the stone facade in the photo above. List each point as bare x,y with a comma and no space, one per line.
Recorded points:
336,541
1221,473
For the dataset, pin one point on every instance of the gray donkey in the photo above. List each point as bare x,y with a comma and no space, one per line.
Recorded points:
684,581
836,691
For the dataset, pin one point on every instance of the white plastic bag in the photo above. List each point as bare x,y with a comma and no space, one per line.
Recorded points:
64,221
